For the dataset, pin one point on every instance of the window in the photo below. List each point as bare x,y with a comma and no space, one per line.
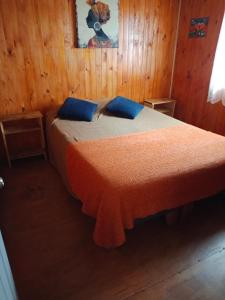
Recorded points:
217,82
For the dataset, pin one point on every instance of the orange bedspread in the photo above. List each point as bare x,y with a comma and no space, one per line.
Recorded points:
123,178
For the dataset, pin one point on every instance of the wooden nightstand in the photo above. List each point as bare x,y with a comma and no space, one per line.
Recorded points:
20,125
164,105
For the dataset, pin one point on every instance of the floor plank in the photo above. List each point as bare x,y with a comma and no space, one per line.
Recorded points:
50,246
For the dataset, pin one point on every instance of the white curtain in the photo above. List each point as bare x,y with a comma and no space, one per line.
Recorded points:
217,83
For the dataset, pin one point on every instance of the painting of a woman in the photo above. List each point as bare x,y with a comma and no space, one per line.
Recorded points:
101,19
98,15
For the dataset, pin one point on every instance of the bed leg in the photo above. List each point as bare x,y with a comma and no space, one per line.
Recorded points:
172,216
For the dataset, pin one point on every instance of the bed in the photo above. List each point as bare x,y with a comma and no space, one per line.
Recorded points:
122,170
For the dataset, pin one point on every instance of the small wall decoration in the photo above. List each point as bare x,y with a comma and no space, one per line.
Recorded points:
198,27
97,23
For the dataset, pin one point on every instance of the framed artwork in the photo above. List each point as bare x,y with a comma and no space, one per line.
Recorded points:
97,23
198,27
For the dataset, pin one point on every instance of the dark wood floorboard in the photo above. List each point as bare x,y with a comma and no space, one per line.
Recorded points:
50,247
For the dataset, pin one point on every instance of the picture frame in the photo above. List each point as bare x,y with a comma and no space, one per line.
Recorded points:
97,23
198,27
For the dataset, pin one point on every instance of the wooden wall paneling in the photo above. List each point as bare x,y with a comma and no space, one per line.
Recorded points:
196,87
156,43
193,67
53,74
61,82
140,53
166,40
60,58
146,44
123,49
14,76
140,42
149,59
137,35
40,59
124,46
30,68
149,65
37,43
40,65
87,75
130,45
175,49
43,87
115,76
93,78
79,60
98,68
120,58
110,73
3,74
68,7
104,81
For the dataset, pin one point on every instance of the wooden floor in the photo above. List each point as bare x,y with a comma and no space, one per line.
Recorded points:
50,247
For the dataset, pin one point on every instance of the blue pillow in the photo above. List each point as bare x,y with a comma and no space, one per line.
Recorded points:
76,109
125,108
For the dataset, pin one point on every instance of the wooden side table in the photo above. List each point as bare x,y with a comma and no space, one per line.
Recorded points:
23,124
164,105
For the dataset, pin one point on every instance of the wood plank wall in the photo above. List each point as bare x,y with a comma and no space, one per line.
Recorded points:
40,65
194,61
